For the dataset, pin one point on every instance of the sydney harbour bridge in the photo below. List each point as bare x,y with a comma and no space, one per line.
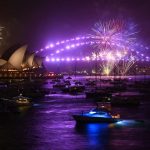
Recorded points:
112,44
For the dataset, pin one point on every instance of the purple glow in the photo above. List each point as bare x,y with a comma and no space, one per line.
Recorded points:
91,42
57,59
57,43
87,58
77,38
51,45
62,42
47,47
72,45
53,59
68,59
147,48
68,47
141,45
47,59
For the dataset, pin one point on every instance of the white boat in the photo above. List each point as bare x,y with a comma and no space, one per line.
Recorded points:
96,115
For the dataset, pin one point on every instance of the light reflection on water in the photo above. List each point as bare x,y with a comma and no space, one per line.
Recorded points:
49,125
129,123
66,96
97,134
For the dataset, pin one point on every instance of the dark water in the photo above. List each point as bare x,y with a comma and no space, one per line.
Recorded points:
49,125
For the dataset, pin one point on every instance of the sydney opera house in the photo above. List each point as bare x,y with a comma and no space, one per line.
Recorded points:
20,64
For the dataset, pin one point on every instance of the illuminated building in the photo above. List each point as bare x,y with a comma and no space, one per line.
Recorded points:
21,64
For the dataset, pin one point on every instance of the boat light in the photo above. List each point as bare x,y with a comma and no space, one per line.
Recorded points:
92,112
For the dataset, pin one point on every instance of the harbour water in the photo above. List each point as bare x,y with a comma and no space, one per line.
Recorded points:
49,125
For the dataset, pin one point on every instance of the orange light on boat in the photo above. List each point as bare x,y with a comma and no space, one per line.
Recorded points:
116,116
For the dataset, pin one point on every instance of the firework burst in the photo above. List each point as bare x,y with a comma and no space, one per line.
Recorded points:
111,39
125,64
113,33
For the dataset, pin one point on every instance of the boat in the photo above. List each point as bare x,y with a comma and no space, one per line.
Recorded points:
96,115
15,105
74,89
17,101
68,78
59,85
21,100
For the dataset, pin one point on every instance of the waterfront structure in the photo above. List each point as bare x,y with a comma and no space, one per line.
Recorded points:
21,64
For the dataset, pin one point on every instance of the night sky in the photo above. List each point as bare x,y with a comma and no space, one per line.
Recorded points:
37,22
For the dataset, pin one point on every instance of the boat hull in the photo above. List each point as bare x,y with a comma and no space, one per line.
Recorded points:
87,119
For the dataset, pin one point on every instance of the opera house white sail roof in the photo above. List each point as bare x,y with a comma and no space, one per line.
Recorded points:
30,60
18,60
2,62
